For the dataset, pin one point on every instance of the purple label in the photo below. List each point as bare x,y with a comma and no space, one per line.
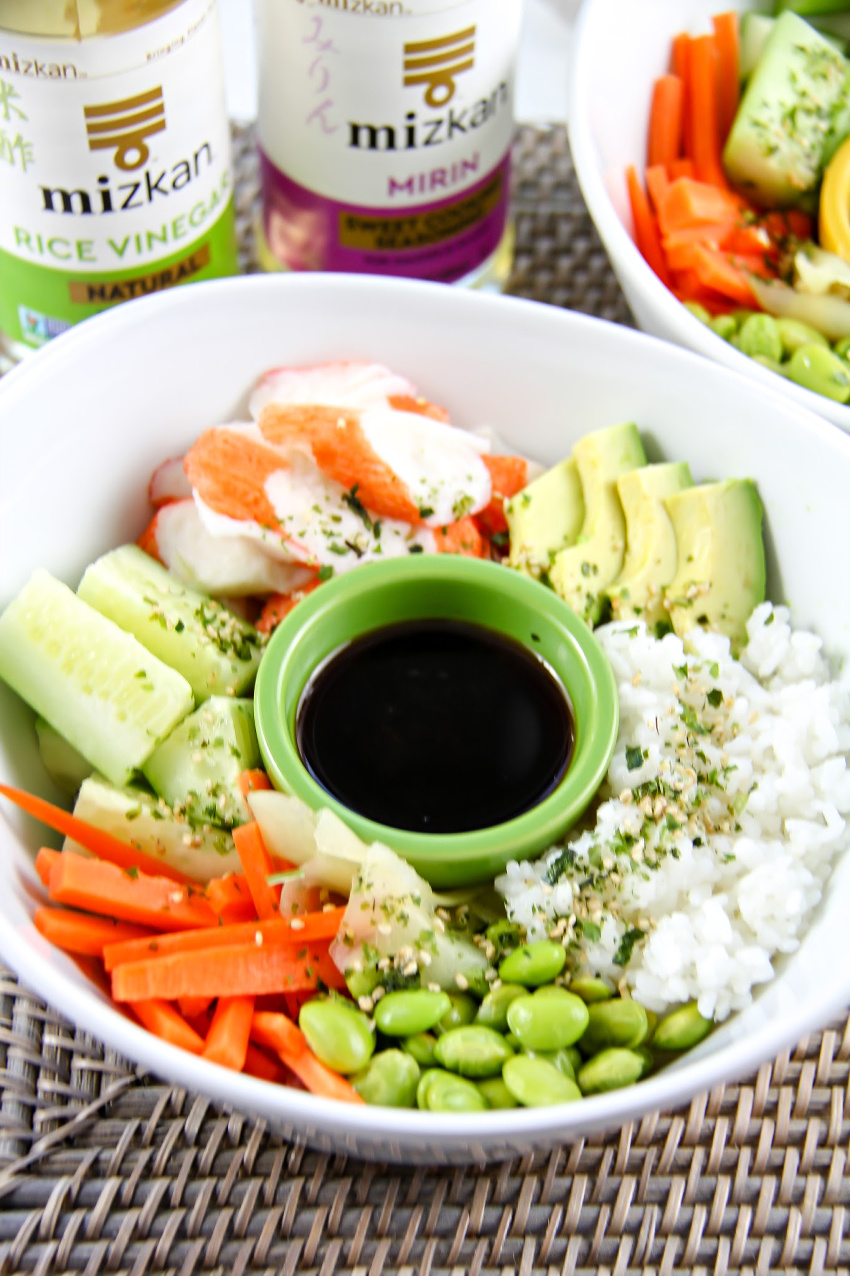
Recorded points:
441,240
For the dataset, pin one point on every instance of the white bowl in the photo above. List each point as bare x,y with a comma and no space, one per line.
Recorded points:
85,421
619,47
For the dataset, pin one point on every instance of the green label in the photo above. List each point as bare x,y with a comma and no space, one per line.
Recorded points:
39,301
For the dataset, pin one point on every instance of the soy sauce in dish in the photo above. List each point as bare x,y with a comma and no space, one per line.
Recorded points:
435,726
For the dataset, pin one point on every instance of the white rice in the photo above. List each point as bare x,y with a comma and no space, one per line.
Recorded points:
687,888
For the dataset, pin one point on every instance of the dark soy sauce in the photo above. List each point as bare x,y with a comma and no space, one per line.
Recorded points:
437,726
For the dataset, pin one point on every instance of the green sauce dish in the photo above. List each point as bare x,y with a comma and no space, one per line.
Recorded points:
451,708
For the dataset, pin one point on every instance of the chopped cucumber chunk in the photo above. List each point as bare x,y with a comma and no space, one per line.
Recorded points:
65,765
211,646
198,767
108,696
148,824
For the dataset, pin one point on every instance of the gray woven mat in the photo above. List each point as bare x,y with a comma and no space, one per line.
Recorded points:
105,1169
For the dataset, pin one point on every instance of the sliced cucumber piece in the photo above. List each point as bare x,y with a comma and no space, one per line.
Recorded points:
65,765
197,768
754,31
148,824
212,647
110,698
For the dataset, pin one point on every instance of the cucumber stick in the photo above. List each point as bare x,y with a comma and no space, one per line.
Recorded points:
216,651
197,768
66,767
96,685
148,824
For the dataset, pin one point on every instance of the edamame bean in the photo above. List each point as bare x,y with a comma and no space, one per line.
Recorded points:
681,1029
821,371
620,1022
473,1051
462,1009
338,1033
724,325
390,1080
534,964
795,334
759,335
610,1070
424,1085
779,368
548,1019
590,988
421,1048
560,1058
698,311
408,1011
505,936
447,1092
842,348
537,1083
493,1011
646,1057
496,1093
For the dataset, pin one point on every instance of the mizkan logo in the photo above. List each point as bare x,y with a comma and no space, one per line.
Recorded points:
124,126
437,62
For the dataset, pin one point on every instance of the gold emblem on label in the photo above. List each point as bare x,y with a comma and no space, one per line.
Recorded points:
125,126
437,62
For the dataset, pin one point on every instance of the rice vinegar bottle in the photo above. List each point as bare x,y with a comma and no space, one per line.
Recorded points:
115,165
385,130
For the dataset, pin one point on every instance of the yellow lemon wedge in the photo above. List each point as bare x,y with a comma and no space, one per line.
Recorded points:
834,222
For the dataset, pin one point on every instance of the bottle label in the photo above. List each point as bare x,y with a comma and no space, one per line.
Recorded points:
385,132
115,169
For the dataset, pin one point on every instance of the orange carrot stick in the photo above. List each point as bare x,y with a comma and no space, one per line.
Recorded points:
726,38
167,1023
230,1030
102,844
78,933
657,182
130,896
664,141
646,230
680,66
230,899
308,928
705,129
251,781
44,862
233,971
257,865
287,1040
259,1064
687,202
680,168
194,1007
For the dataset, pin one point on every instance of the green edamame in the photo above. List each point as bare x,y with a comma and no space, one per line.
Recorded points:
698,311
760,335
724,325
493,1011
611,1069
537,1083
681,1029
390,1080
548,1019
496,1093
818,369
440,1091
795,334
842,348
620,1022
560,1058
771,364
590,988
408,1011
473,1051
534,964
421,1048
462,1009
338,1033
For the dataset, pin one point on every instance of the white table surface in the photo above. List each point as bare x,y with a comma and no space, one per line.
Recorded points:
541,78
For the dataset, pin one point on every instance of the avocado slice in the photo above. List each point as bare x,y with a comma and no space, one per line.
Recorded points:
544,517
794,113
651,557
720,576
581,572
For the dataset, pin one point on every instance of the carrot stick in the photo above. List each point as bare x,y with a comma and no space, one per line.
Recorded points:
287,1040
646,230
680,168
664,142
102,844
233,971
78,933
705,129
230,898
257,865
128,895
167,1023
687,202
308,928
44,862
251,781
728,82
680,67
194,1007
259,1064
227,1039
657,182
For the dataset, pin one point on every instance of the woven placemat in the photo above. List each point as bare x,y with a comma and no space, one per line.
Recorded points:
106,1169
